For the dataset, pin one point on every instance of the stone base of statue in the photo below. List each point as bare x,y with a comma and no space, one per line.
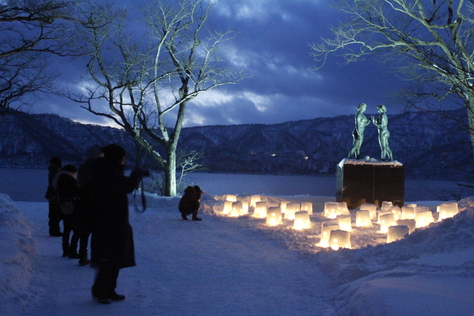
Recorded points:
370,181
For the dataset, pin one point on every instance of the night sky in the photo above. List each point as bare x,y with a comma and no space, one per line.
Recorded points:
271,45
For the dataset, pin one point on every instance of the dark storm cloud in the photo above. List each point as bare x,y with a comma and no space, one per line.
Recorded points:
271,45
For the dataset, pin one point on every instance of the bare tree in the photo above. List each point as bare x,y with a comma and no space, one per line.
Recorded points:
432,39
144,83
32,30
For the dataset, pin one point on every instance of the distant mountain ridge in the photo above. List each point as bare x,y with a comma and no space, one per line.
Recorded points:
428,146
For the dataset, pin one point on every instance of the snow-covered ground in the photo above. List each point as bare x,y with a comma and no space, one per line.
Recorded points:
240,266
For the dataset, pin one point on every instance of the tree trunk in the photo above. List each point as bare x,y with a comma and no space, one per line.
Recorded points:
470,119
170,174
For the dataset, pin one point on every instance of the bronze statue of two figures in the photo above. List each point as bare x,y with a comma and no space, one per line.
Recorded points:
361,121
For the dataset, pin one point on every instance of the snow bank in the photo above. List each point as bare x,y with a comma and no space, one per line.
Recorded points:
16,255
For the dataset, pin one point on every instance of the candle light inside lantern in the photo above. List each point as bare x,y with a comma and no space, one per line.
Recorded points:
363,218
331,209
308,207
260,210
397,232
254,199
447,210
326,232
371,208
302,220
236,209
345,222
273,216
408,212
423,218
339,239
283,205
291,209
410,223
386,220
245,208
227,207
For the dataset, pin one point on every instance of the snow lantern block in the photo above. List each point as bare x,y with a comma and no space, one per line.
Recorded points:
339,239
331,209
245,208
273,216
230,197
254,199
386,205
397,212
236,209
363,218
326,232
410,223
423,218
227,207
397,232
291,210
302,220
283,205
386,221
372,208
343,209
308,207
345,222
447,210
260,210
408,212
421,209
382,213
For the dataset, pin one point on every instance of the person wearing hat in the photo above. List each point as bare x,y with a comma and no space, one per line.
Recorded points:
54,211
112,246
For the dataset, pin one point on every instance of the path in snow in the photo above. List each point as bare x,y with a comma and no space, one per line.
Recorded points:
183,268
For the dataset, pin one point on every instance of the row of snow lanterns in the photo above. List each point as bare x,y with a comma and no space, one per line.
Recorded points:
396,222
273,212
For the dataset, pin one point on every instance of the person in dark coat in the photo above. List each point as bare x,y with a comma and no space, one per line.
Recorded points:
83,212
66,186
54,211
112,246
189,203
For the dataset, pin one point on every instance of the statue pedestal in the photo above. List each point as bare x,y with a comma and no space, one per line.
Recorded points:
359,182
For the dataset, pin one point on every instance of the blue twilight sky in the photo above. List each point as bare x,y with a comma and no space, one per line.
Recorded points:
272,46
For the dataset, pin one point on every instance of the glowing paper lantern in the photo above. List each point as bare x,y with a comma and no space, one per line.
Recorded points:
423,218
254,199
397,212
410,223
371,208
260,210
291,209
386,220
227,207
302,220
386,205
363,218
339,239
326,232
345,222
397,232
308,207
447,210
273,216
331,209
230,197
408,212
236,209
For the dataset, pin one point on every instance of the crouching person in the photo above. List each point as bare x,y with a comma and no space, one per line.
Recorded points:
189,203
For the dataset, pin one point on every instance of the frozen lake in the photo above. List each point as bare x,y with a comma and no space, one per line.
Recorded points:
30,185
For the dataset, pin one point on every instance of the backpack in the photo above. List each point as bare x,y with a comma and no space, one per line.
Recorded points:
67,206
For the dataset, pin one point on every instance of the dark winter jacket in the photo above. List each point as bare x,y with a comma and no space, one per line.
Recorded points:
112,236
52,172
83,216
66,185
189,201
